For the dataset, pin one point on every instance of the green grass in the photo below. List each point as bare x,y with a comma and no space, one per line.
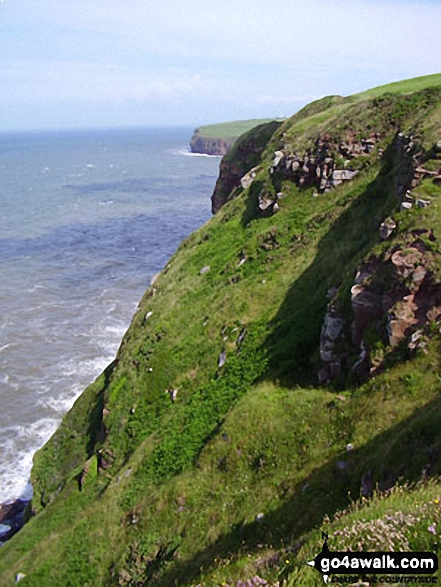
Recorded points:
181,486
229,131
404,87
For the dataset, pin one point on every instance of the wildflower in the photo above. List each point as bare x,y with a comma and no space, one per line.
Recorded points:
432,529
436,501
287,561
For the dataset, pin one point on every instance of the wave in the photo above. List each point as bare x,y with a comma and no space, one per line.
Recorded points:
183,152
19,445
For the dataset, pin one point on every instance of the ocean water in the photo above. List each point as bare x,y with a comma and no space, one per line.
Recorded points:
87,218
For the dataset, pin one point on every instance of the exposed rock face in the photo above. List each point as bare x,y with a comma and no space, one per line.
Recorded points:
241,160
394,295
407,303
393,299
12,517
317,167
209,146
411,171
331,334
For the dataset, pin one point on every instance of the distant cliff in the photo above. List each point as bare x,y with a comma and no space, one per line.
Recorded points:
208,146
217,139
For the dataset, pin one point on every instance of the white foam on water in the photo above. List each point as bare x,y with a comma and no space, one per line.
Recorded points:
59,405
19,445
54,395
183,152
117,330
6,346
35,287
86,369
4,528
28,493
21,442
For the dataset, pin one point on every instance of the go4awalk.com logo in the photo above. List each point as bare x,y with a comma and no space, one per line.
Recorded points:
405,565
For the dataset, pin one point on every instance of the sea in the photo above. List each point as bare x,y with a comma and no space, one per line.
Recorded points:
86,219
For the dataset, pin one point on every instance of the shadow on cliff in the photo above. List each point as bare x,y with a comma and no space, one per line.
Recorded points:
294,341
395,455
95,431
252,202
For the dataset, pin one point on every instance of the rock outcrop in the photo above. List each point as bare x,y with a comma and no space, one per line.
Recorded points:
210,146
243,157
394,298
317,167
12,518
331,337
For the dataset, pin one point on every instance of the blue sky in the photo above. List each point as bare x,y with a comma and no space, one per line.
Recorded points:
110,63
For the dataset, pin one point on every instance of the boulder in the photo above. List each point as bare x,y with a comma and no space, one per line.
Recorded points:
401,318
267,204
248,179
418,275
11,518
341,175
222,359
331,333
405,261
277,157
387,228
332,327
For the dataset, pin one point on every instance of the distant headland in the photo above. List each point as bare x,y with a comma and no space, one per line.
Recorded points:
217,139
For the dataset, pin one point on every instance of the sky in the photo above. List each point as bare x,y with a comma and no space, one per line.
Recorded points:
123,63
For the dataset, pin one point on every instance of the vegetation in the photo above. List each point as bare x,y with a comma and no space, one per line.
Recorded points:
207,453
404,87
230,131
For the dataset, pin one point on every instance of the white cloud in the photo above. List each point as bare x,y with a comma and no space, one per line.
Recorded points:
250,53
284,100
93,82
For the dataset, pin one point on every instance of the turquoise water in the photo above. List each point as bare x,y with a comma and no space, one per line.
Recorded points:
87,218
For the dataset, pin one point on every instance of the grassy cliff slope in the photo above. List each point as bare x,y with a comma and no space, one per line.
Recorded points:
280,377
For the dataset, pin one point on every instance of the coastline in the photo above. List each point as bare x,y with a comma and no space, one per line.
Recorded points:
111,280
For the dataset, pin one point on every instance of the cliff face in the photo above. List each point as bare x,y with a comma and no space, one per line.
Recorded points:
208,146
243,157
285,359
